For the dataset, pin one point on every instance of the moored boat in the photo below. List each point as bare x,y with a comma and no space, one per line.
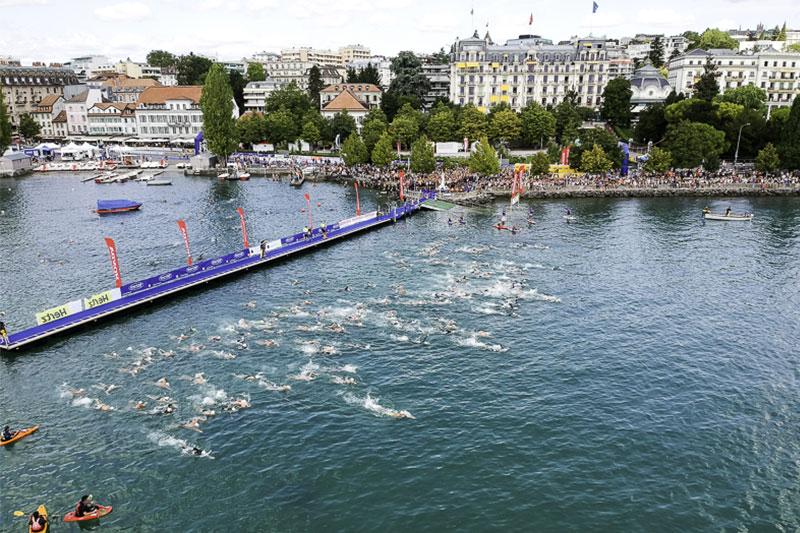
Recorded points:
105,207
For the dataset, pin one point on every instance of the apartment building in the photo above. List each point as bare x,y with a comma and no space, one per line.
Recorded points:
25,87
112,119
47,110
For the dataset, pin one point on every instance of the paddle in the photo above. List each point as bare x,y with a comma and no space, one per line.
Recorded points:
20,513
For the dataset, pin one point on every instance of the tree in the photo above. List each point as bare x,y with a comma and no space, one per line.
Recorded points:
706,88
343,125
717,39
192,69
604,139
693,144
251,128
794,47
415,115
748,96
404,129
422,157
767,159
540,164
5,123
28,127
442,126
473,123
382,154
255,72
505,126
483,159
537,124
354,152
315,85
373,126
652,124
441,57
369,74
595,161
161,59
774,127
292,98
409,79
782,34
311,133
656,54
281,127
567,122
351,76
658,161
216,102
675,53
694,39
617,102
392,103
238,84
789,147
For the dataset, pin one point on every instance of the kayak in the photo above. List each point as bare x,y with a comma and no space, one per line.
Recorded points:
102,510
500,226
531,221
738,218
42,512
21,433
569,217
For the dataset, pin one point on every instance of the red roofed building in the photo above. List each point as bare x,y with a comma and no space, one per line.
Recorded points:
348,102
370,95
171,113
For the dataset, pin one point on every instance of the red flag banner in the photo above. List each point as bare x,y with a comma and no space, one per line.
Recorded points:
244,227
182,226
531,20
310,220
401,185
565,156
112,252
358,205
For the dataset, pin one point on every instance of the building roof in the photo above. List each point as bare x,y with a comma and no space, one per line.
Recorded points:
15,156
159,95
648,75
50,99
354,87
80,97
125,109
124,82
61,117
345,101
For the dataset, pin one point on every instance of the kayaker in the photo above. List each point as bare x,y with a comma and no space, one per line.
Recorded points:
503,219
8,434
85,506
37,522
706,210
569,211
728,212
3,332
461,219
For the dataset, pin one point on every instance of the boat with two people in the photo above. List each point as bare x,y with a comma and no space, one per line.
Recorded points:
728,216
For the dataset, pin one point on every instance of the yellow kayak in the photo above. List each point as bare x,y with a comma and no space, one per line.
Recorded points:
21,433
42,512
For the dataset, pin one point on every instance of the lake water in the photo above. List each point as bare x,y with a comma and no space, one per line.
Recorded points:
634,370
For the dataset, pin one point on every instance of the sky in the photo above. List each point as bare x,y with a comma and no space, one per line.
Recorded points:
56,30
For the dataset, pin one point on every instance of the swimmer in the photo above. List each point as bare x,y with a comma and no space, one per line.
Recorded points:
344,381
208,412
193,424
401,414
215,338
162,383
101,406
77,392
251,304
111,387
267,343
140,405
328,350
304,377
295,282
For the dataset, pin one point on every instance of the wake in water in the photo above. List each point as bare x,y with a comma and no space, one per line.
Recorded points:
371,404
164,440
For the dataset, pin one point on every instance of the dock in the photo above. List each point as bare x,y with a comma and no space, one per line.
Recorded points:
66,317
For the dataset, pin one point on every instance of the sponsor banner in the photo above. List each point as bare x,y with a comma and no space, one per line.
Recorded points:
244,227
274,245
55,313
356,220
100,299
182,226
112,252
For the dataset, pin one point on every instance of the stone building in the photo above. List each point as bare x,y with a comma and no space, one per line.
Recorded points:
25,87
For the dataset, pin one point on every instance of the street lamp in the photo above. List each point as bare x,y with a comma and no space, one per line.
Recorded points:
736,155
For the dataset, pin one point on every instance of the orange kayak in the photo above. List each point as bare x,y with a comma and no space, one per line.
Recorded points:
21,433
102,510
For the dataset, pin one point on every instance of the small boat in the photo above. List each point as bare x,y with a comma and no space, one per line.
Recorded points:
105,207
102,510
569,218
732,218
159,182
500,226
20,434
531,222
42,510
244,175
